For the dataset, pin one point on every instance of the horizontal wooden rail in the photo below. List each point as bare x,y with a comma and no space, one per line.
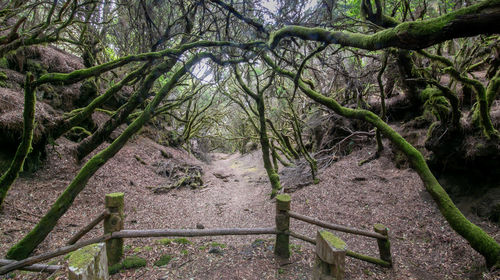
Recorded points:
36,267
335,227
192,232
135,234
368,258
302,237
348,253
88,228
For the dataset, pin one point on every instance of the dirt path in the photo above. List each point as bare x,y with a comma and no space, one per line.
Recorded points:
235,194
242,177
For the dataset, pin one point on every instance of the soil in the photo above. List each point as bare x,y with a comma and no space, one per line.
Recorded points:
236,194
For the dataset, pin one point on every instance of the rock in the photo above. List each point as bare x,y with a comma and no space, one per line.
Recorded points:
200,226
215,250
89,262
221,176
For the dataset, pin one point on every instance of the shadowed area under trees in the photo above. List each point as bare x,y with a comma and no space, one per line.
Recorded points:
304,84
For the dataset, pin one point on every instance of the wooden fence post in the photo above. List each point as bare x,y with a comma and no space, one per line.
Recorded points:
114,222
384,245
330,257
281,248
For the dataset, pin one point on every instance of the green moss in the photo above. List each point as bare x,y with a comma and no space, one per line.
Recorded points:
164,241
333,240
216,244
184,251
163,260
142,249
137,249
133,262
115,195
115,268
81,258
182,240
296,248
283,197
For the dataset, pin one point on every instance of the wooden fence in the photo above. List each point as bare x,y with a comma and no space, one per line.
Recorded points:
114,233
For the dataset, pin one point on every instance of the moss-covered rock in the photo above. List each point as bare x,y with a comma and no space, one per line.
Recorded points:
163,260
89,262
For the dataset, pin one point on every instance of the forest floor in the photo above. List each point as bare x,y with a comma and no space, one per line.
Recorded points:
236,194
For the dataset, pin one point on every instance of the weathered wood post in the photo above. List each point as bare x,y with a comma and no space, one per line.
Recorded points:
330,257
281,248
114,222
384,245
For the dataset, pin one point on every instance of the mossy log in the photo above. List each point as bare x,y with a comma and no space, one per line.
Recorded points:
24,147
477,238
24,247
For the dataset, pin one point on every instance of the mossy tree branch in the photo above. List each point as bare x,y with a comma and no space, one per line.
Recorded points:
24,147
481,18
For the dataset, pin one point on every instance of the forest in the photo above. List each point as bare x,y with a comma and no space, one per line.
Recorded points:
209,115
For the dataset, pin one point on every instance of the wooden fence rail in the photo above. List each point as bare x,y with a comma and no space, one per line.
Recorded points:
88,228
335,227
192,232
36,267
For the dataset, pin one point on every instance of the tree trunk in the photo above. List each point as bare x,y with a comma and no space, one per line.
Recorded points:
24,147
